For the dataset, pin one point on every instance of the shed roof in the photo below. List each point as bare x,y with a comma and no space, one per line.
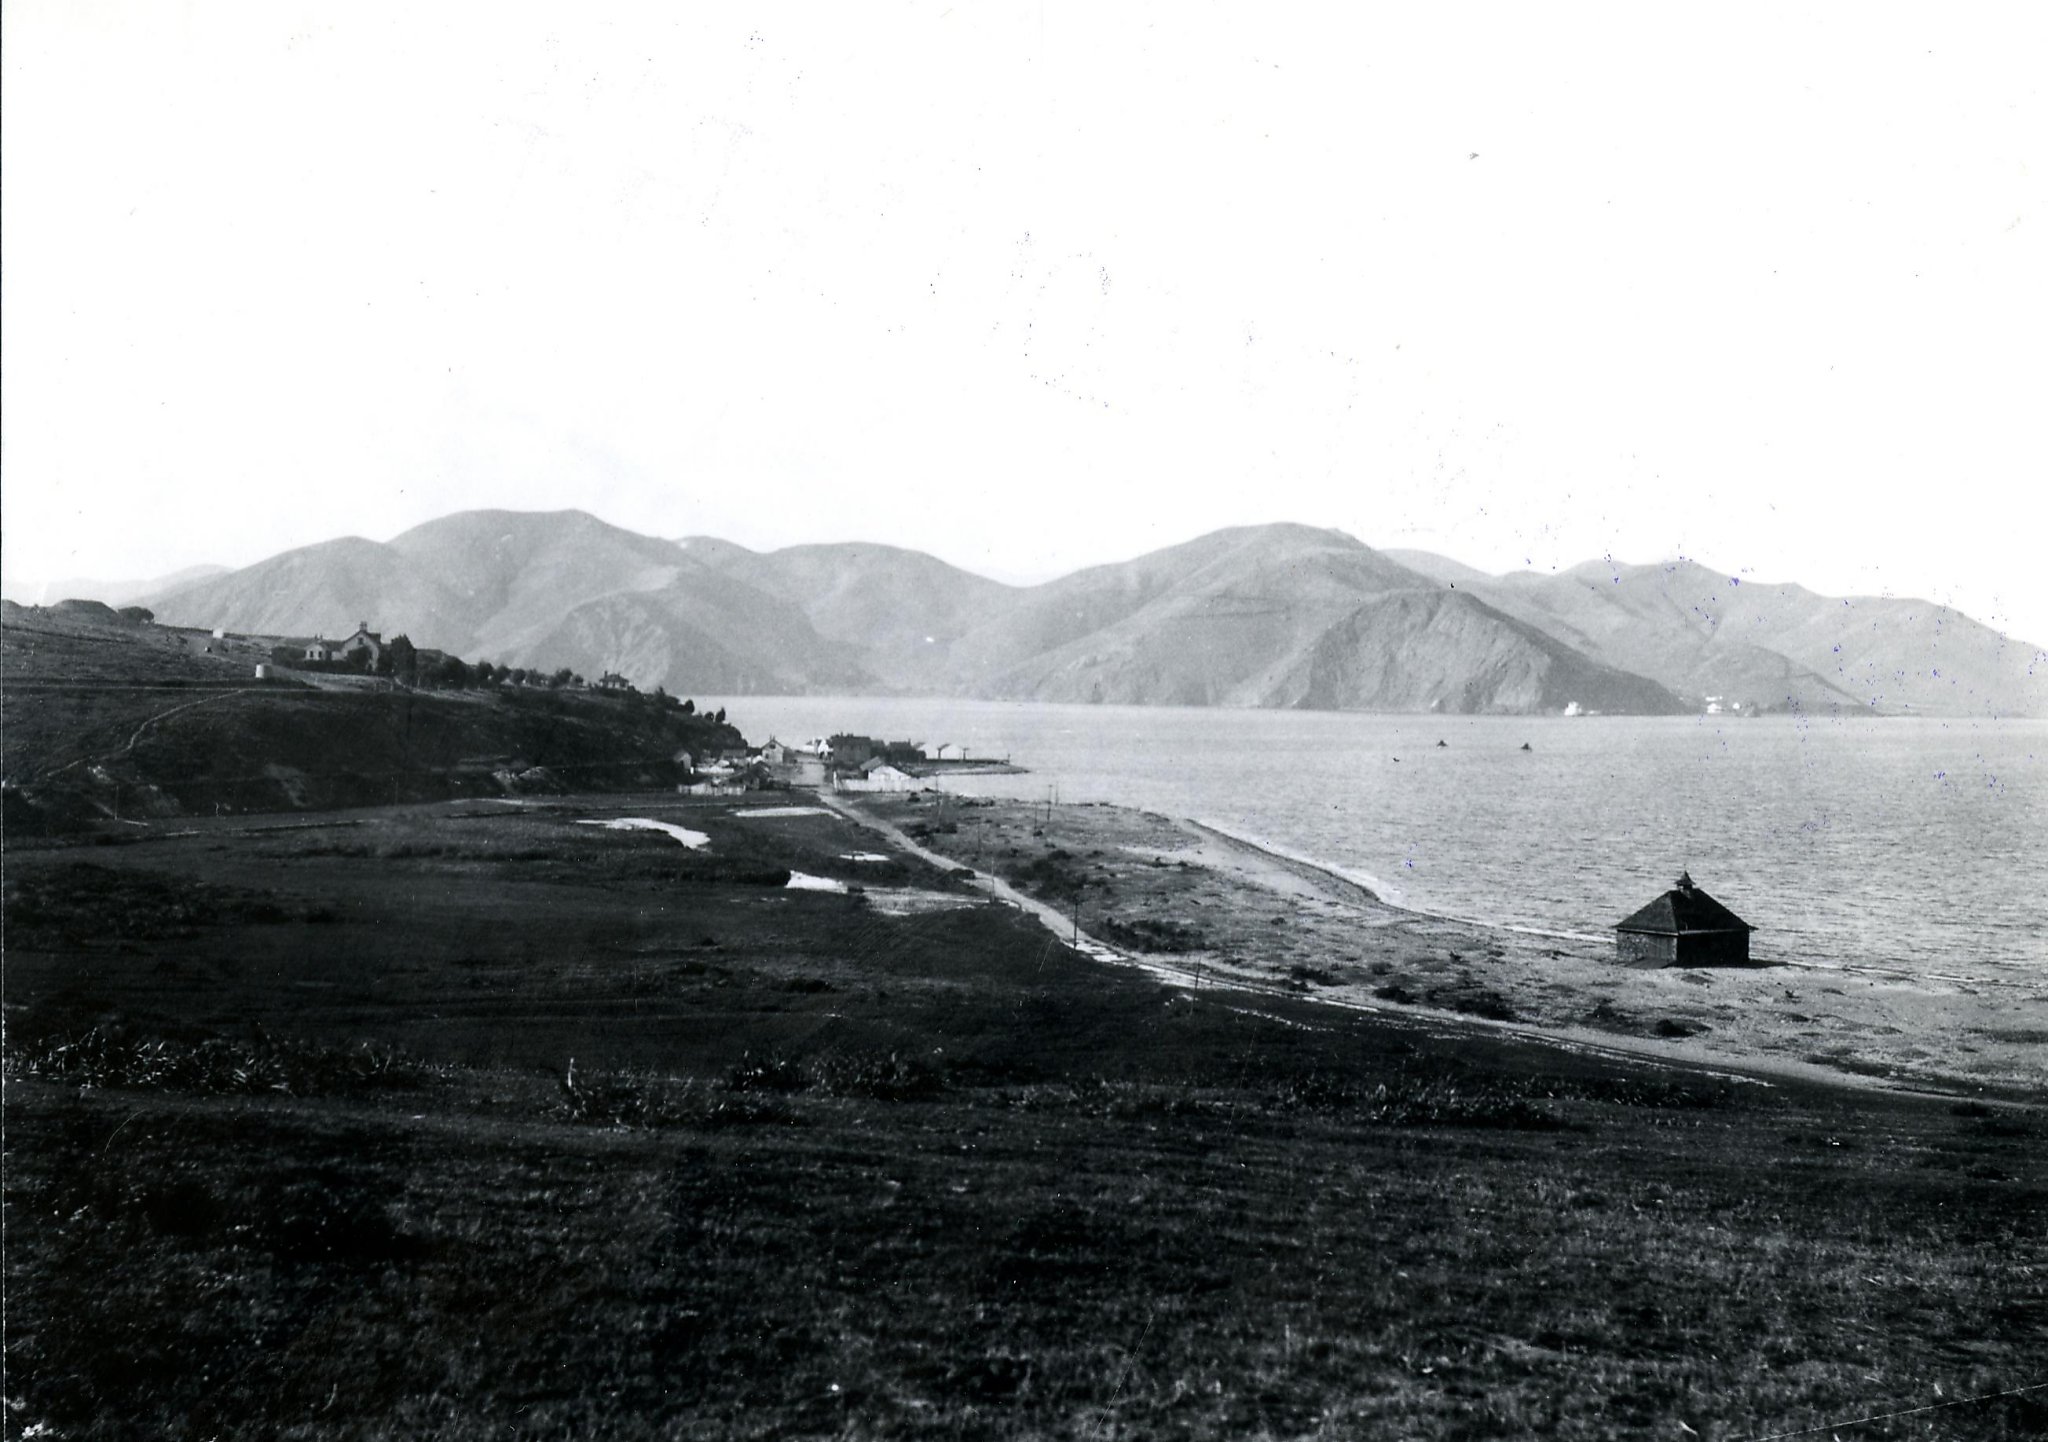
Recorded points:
1683,909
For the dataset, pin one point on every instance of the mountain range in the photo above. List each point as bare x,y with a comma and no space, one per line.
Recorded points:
1276,615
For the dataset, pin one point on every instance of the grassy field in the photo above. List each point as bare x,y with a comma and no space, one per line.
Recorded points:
468,1121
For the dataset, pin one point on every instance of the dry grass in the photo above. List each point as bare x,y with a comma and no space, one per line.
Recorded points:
818,1171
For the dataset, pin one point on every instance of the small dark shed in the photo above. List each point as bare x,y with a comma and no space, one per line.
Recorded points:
1683,927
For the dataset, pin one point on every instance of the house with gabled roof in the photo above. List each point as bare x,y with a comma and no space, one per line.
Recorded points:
361,639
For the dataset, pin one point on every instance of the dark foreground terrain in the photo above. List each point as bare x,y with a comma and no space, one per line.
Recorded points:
469,1121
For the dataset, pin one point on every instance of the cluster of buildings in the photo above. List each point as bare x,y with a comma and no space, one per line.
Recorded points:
845,762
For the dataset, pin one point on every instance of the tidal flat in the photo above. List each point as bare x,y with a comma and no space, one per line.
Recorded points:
1198,905
467,1120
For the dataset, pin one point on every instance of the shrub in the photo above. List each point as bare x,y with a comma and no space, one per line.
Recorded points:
1150,934
111,1058
890,1077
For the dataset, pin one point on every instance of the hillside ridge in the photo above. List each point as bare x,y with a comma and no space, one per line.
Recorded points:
1281,614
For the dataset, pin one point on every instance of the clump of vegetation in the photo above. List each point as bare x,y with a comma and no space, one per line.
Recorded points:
622,1099
81,901
641,1101
1146,933
1647,1091
1472,999
1419,1098
1466,996
1305,975
109,1057
1055,876
881,1076
752,1092
771,1073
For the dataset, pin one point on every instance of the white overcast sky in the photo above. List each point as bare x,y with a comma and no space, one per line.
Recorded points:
1037,286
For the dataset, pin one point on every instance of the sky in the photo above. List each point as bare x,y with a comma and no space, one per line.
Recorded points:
1038,286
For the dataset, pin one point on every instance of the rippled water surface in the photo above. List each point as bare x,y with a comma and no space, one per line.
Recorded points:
1919,844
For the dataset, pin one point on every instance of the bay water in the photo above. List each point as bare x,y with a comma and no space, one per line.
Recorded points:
1919,845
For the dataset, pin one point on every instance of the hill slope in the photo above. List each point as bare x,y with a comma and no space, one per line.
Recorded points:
705,631
481,583
514,575
1250,586
323,589
1278,615
1705,633
895,614
1288,616
107,722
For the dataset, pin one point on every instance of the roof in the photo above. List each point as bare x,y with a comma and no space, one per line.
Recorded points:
1683,910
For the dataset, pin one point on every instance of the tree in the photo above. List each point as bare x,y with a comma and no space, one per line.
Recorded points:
689,708
520,675
486,673
140,614
560,679
452,673
720,717
403,659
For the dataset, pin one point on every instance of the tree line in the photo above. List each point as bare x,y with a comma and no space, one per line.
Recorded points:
408,665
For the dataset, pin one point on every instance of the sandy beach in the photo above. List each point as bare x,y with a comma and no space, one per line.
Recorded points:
1195,904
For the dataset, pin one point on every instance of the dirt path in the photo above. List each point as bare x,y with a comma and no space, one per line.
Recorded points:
135,737
1054,920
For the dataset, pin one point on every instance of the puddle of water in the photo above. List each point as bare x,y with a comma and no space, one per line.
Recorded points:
914,901
784,811
862,856
803,881
692,839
